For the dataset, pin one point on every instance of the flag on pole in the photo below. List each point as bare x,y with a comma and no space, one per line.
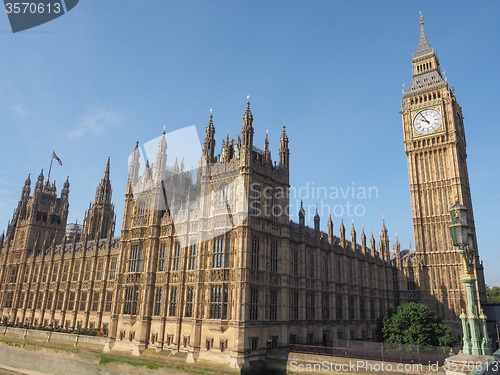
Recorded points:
54,156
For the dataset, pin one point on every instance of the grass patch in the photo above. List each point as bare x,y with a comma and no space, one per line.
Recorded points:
104,360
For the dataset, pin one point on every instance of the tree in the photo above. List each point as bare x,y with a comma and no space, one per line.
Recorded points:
413,323
493,294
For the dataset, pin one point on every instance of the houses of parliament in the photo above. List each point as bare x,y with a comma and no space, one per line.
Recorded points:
201,267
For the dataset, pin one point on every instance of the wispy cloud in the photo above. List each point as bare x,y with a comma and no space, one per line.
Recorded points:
96,119
9,183
19,110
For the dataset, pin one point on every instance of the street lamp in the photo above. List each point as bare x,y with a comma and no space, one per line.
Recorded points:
474,344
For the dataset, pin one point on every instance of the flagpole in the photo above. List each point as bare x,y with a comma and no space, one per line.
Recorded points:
51,158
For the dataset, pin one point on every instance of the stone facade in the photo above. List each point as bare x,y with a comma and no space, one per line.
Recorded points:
214,267
435,145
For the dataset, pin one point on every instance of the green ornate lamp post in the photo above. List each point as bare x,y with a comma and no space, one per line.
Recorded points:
476,340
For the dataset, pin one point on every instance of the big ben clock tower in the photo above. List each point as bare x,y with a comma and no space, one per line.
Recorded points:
435,146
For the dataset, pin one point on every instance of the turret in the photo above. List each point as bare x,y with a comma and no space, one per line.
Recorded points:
353,237
384,238
27,187
330,229
134,164
247,133
284,152
209,142
316,221
46,186
342,233
267,153
103,191
161,159
397,247
39,182
227,150
65,189
372,245
99,217
363,241
302,215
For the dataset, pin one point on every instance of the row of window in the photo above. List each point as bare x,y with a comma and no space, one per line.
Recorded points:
218,302
255,255
255,206
13,273
364,313
221,257
58,298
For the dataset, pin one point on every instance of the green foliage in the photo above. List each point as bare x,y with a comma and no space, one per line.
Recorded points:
152,365
413,323
493,294
86,332
104,360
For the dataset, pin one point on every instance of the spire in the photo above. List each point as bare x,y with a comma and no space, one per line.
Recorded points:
316,220
106,171
284,152
210,130
65,189
384,229
397,247
342,232
28,180
175,167
99,216
353,237
209,142
161,158
384,241
248,117
226,154
103,191
372,244
267,153
426,72
39,181
247,131
133,175
423,45
363,239
302,214
27,187
330,228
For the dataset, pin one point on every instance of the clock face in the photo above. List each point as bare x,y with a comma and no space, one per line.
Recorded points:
427,121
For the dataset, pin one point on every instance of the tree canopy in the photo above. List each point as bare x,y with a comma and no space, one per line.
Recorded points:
493,294
413,323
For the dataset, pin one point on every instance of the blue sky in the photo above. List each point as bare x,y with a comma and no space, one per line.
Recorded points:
89,83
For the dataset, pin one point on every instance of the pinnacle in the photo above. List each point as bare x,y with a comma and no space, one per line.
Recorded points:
106,171
423,45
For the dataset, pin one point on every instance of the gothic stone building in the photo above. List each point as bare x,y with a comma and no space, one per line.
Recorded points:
435,145
215,268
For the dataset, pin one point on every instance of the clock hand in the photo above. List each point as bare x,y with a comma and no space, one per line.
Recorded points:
427,121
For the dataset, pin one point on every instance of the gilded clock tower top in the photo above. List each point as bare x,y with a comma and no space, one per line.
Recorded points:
426,72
